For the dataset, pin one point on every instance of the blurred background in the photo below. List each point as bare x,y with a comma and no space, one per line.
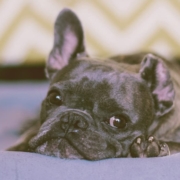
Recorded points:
111,27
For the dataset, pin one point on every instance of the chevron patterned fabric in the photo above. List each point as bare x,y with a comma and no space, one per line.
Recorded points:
111,27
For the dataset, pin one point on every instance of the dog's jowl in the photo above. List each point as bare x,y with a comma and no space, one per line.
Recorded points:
123,106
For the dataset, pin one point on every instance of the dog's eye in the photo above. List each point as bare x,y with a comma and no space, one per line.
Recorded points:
55,98
119,122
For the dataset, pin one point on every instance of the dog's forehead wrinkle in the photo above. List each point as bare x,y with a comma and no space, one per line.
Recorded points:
83,85
95,70
93,74
91,68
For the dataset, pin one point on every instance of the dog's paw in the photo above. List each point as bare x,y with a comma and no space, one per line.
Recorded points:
148,148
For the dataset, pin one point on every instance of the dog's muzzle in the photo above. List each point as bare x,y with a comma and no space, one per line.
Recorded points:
54,135
72,134
58,127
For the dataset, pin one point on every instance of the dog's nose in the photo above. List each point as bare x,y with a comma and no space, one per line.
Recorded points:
73,122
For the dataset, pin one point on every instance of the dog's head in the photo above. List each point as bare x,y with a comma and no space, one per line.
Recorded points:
96,108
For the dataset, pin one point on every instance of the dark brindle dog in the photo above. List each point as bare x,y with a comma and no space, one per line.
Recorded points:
95,109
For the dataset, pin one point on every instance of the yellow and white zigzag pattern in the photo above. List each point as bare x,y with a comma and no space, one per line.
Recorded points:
111,27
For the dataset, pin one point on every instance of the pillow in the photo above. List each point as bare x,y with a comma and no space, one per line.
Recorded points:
31,166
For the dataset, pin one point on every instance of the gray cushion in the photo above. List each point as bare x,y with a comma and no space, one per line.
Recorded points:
30,166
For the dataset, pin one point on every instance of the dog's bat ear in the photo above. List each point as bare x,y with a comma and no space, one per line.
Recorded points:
158,79
68,42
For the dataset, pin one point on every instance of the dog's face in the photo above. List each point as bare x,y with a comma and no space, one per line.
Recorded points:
95,109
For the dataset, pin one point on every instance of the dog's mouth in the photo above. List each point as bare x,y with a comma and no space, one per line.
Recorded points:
81,145
58,147
54,146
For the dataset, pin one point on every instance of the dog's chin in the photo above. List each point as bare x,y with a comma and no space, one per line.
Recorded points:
76,145
59,148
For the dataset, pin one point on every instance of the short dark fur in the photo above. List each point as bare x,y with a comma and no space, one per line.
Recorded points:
142,90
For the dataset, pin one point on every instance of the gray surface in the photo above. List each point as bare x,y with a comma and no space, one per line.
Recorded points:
27,166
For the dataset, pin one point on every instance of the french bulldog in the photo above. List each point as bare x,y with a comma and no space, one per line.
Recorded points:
122,106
